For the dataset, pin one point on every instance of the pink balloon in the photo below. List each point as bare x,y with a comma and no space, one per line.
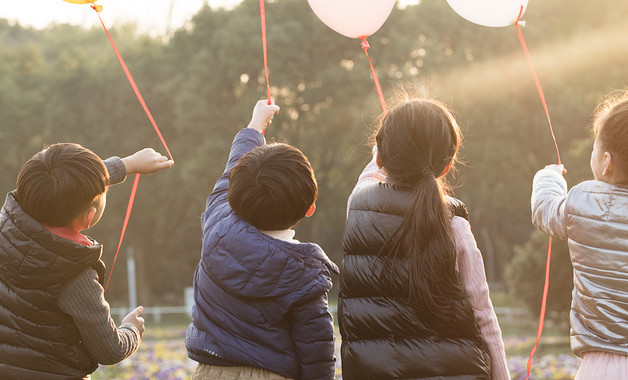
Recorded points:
493,13
353,18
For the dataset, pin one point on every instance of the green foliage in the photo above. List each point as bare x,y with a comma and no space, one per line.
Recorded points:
525,276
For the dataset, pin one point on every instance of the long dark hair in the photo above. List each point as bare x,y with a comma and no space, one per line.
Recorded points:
417,142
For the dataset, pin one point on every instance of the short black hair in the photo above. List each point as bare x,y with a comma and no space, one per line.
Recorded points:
60,182
272,187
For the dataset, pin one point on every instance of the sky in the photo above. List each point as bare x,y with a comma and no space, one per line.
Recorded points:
153,16
156,17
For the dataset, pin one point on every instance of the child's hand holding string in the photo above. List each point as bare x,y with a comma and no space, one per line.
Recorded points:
262,115
560,169
146,161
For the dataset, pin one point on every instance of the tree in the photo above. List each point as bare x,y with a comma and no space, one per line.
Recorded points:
526,271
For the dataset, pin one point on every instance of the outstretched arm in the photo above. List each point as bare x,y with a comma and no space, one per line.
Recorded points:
371,173
549,192
247,140
145,161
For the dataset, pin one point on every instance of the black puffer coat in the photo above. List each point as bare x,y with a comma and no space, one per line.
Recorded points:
382,337
37,340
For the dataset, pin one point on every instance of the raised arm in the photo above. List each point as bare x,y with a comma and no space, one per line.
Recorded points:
246,140
549,192
371,173
145,161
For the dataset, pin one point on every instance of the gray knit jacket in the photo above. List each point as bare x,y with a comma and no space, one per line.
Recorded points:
84,299
593,218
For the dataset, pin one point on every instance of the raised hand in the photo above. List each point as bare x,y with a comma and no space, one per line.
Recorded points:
262,115
146,161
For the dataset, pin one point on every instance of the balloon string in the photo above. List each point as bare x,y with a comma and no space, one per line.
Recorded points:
536,81
543,304
262,12
152,120
549,246
133,85
124,225
365,47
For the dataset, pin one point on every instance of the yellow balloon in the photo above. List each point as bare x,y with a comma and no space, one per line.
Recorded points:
80,1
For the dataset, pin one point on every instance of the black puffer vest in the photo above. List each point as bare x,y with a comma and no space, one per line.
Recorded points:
382,336
38,340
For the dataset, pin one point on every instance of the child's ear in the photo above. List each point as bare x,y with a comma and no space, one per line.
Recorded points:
607,164
311,210
88,216
378,160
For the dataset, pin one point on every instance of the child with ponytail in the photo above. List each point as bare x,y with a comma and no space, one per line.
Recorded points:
414,301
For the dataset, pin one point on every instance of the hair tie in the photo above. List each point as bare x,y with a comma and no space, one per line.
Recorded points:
427,170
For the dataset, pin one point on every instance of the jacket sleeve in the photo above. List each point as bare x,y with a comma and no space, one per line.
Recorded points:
473,278
313,336
245,141
83,299
549,192
116,169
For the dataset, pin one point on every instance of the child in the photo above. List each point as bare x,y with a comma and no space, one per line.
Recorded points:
592,217
414,301
260,296
54,320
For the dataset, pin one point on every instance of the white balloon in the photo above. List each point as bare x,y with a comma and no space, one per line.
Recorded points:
353,18
489,12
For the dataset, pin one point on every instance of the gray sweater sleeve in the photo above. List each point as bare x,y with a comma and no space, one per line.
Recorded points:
84,300
116,169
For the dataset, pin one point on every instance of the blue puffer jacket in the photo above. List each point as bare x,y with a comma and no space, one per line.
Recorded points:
259,301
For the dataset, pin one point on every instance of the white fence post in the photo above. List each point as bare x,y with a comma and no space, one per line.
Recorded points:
130,264
188,296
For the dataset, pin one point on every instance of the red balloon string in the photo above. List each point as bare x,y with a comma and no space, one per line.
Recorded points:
365,47
549,246
124,225
133,85
536,80
543,304
262,12
152,120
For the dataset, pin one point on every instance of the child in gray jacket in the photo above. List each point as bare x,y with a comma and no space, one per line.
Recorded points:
593,218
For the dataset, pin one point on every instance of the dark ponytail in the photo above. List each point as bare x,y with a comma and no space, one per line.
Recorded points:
417,142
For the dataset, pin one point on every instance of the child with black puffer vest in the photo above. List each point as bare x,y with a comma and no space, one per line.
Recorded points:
414,301
54,320
260,296
593,218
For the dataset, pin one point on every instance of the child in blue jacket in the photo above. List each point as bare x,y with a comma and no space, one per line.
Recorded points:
260,296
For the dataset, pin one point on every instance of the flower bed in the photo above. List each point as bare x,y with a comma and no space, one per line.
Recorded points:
162,356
